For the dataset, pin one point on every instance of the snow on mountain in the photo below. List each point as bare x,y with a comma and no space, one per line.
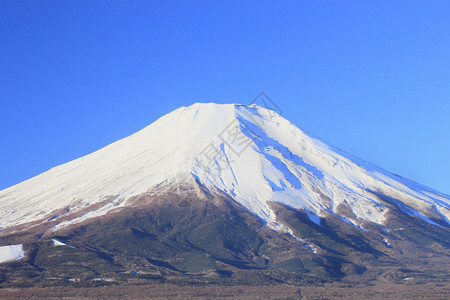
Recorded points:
11,253
59,243
248,152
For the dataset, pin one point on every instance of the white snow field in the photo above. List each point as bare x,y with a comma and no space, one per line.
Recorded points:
11,253
250,153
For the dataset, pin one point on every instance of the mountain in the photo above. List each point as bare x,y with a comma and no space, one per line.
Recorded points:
222,194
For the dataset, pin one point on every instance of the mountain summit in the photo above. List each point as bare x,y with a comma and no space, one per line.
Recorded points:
227,184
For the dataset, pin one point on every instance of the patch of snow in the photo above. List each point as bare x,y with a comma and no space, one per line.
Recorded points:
11,253
58,243
408,279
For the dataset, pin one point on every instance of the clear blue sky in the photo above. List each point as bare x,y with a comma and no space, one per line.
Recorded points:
370,77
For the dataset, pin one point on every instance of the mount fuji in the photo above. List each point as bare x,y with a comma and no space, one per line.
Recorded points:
222,193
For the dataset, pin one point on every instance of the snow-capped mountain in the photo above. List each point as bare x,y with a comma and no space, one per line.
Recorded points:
249,153
222,194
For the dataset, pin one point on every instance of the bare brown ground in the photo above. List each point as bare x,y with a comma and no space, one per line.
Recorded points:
170,291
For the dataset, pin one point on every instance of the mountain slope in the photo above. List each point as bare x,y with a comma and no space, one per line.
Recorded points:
250,153
222,194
